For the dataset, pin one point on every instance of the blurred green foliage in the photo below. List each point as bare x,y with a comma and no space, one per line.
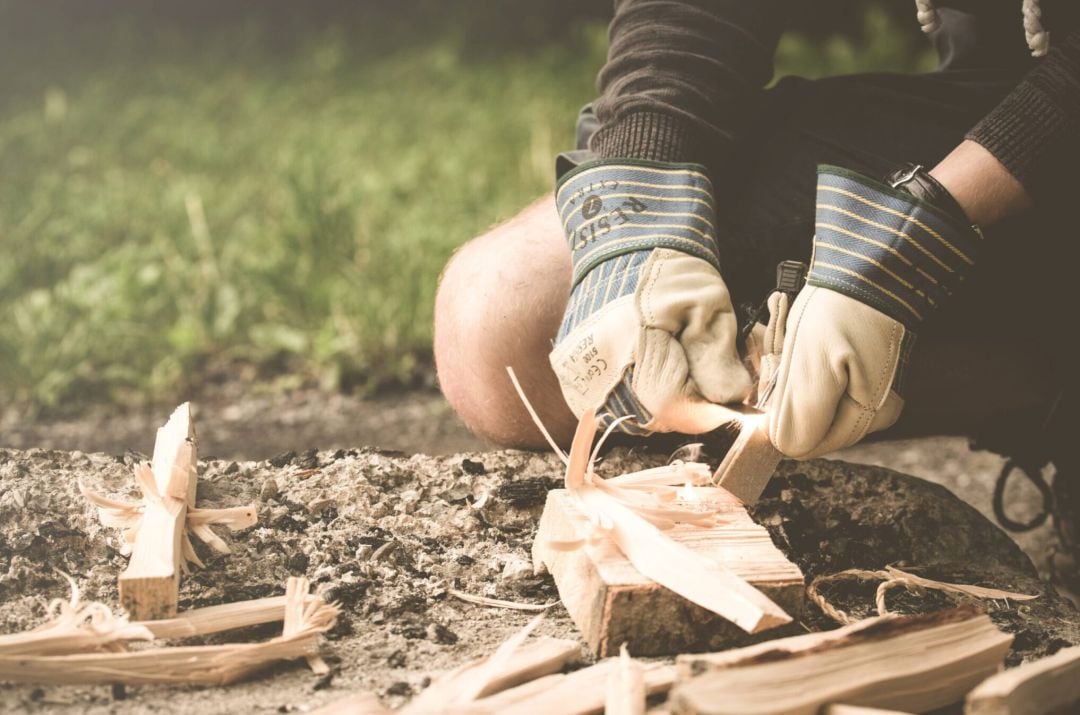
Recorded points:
195,201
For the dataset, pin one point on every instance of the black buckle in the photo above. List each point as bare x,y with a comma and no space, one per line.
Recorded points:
790,277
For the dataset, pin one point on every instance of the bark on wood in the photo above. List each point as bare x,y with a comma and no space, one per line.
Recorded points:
750,463
1037,687
149,584
915,663
613,603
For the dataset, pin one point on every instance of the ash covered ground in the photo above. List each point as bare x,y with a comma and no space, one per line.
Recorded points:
387,535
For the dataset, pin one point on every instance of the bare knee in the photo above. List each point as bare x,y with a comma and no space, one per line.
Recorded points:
498,305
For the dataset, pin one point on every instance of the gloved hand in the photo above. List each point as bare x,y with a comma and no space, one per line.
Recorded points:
884,259
649,330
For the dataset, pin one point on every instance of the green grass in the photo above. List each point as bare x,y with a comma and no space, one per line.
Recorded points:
211,203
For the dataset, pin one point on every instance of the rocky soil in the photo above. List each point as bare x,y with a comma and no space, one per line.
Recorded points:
387,534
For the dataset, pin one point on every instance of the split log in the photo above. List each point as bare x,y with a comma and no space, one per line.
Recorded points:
579,693
612,603
914,663
750,463
150,583
1039,687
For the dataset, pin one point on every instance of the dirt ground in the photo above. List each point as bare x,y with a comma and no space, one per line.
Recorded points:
387,534
236,424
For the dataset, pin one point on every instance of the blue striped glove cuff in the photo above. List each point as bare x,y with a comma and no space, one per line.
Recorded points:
611,208
885,248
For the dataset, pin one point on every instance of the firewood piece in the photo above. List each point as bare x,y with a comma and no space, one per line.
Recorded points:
612,603
149,584
358,704
1038,687
750,463
914,663
579,693
625,687
527,662
215,619
690,665
195,665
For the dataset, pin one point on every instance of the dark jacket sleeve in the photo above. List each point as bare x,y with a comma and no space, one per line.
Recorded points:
1035,131
683,77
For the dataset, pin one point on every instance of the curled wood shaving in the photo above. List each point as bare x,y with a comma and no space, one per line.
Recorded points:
675,474
75,626
500,603
298,612
305,620
127,515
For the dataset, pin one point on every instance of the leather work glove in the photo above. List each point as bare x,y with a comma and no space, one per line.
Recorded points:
885,257
649,330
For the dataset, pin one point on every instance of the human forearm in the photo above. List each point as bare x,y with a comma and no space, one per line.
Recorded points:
981,184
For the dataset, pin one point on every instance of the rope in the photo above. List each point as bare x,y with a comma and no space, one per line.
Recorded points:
927,15
888,583
1038,39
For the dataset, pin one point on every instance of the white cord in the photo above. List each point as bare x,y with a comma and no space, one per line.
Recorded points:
1038,38
927,15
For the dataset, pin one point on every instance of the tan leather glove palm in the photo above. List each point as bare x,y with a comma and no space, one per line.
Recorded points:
835,381
882,262
649,331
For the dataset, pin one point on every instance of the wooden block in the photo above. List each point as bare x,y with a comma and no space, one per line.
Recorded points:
150,583
908,663
1040,687
612,603
750,463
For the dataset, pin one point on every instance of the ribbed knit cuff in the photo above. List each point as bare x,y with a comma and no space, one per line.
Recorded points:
1016,131
1034,128
648,135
